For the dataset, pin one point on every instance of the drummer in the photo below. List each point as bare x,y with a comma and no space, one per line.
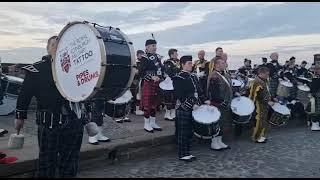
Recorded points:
260,95
302,71
314,105
189,94
171,68
201,68
219,93
274,68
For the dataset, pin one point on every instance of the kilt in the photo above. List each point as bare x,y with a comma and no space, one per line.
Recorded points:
184,131
168,99
64,141
273,86
150,98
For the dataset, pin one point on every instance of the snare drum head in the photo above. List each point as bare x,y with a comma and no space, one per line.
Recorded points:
286,83
242,106
206,114
77,63
282,109
236,83
166,84
304,88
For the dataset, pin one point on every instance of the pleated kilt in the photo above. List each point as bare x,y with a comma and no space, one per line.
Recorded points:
184,131
150,98
273,86
168,98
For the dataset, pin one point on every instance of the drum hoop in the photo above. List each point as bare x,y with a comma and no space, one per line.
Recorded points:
103,58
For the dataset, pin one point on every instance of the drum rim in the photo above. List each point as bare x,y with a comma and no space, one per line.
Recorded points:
308,88
103,58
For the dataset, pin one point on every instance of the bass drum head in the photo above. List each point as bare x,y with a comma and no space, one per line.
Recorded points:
77,68
8,106
120,59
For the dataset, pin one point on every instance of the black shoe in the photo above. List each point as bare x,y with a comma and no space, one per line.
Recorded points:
96,143
127,120
193,158
149,131
167,119
157,129
2,133
108,140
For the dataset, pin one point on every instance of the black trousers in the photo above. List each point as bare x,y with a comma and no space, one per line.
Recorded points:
60,148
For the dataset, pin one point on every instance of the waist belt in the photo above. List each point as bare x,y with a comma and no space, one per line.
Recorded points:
52,120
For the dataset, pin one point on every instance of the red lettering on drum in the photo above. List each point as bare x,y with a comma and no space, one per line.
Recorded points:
86,76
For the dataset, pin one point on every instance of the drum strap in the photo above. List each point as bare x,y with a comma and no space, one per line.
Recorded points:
224,78
75,107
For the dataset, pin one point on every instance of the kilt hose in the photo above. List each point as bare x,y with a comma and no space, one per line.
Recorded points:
150,98
273,86
184,131
168,99
65,141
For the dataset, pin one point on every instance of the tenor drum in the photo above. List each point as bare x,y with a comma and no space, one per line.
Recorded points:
303,94
242,109
206,121
11,87
237,85
92,62
284,89
119,107
280,114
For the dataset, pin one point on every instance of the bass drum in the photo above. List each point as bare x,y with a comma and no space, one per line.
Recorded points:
92,62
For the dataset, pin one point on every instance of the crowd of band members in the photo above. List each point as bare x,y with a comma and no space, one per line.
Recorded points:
61,123
201,81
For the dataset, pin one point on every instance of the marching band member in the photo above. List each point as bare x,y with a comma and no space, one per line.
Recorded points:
201,68
151,70
60,130
219,53
171,68
189,94
314,106
245,70
219,93
136,86
302,71
261,97
274,68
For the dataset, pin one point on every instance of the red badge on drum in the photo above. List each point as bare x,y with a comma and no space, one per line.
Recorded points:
65,62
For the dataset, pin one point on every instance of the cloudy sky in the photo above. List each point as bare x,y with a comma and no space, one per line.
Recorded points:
244,29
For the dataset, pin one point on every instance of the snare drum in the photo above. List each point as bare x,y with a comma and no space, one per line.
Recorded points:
280,114
119,107
303,94
205,122
237,85
92,62
242,109
166,87
284,89
11,88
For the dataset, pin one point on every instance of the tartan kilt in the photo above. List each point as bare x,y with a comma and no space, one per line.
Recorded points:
150,98
168,98
273,86
184,132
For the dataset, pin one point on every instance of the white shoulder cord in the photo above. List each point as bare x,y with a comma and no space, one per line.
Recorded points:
75,107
